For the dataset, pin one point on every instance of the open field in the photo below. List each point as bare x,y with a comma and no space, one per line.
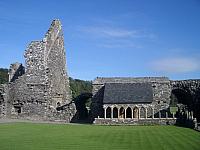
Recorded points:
30,136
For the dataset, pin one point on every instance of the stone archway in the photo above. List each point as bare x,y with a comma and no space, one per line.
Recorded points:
108,112
150,112
180,96
115,112
129,112
80,102
142,112
122,112
135,112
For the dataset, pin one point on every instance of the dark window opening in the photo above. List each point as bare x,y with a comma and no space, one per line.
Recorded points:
18,109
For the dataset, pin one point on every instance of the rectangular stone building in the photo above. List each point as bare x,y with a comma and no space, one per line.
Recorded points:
130,99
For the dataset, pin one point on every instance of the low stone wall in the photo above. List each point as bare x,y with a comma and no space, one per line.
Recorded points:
149,121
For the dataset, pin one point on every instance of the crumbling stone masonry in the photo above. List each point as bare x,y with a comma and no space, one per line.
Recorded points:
36,91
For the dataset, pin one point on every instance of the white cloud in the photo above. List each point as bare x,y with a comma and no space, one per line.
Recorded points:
176,65
114,37
110,32
119,44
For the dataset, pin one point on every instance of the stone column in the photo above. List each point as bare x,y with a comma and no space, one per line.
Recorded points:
166,114
192,117
118,109
173,115
104,112
132,113
187,114
111,112
145,113
159,113
152,113
125,113
138,113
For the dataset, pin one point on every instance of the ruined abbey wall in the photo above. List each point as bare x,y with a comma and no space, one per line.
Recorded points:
44,86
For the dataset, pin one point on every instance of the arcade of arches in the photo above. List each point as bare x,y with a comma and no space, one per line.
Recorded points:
133,112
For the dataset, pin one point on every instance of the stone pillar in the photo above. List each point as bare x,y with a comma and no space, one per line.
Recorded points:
152,113
145,113
118,112
159,114
111,112
166,114
125,113
138,113
187,114
132,113
192,117
173,115
104,112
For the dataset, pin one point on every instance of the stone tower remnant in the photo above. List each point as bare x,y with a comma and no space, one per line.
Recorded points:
36,91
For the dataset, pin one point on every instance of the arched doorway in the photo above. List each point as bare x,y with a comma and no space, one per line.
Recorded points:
149,112
163,113
180,96
128,113
108,112
115,112
142,112
135,112
82,103
121,112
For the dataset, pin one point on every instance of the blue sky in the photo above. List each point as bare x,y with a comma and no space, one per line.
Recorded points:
109,38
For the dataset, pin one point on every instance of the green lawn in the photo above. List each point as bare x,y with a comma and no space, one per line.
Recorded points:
28,136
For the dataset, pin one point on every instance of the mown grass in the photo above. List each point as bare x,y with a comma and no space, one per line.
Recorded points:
29,136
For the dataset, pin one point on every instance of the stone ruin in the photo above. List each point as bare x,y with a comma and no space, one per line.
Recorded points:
40,90
145,100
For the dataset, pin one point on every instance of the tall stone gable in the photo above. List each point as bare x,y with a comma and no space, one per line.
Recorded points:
44,87
46,64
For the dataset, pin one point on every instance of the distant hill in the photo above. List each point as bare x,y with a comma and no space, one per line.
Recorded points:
3,75
77,86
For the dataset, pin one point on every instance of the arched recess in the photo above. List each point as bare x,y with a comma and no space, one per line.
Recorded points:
135,112
115,112
121,112
82,105
149,112
129,112
142,112
108,112
180,96
163,113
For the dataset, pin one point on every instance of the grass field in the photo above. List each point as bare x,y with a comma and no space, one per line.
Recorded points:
28,136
